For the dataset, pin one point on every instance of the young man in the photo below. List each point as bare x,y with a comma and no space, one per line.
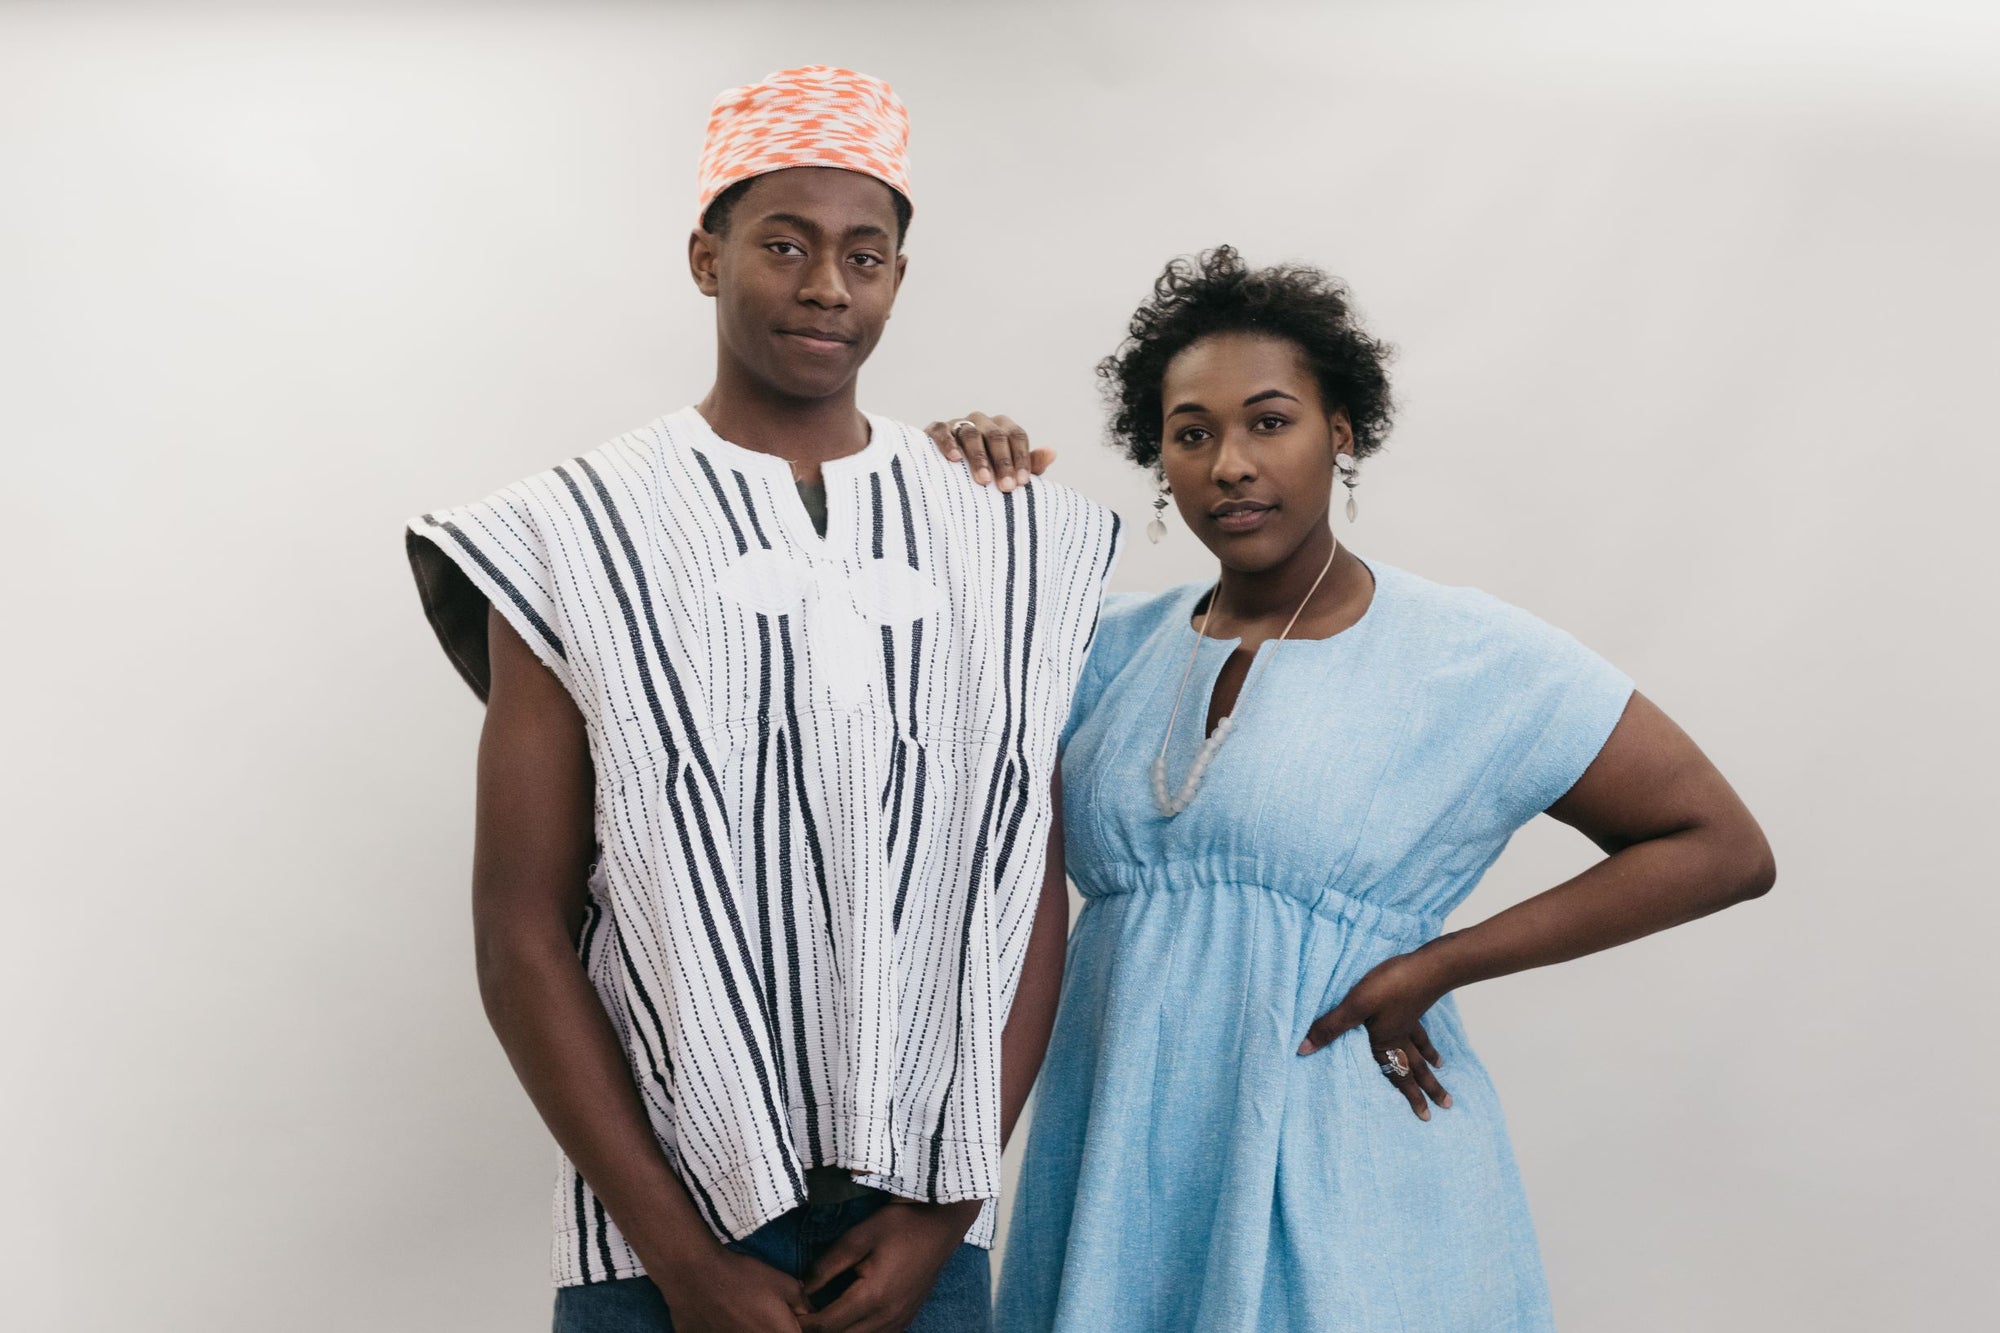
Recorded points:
766,829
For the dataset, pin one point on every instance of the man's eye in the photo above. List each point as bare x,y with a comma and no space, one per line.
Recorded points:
868,261
784,247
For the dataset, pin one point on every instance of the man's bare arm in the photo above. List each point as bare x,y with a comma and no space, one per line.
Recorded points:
530,862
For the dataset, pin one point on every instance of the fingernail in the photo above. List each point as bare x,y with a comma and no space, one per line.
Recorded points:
1424,1114
1445,1101
1006,483
954,455
984,476
1306,1047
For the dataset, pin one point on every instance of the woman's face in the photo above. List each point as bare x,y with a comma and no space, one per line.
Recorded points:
1248,447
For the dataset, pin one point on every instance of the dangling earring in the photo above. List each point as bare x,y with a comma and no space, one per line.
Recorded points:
1158,527
1344,463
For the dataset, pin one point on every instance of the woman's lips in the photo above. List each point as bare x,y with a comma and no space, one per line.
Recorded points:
1244,520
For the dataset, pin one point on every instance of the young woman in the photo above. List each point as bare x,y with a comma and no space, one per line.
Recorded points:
1259,1109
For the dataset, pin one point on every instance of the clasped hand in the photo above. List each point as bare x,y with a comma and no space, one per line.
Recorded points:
1390,1003
894,1255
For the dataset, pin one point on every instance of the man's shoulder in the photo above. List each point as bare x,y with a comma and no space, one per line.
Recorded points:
622,462
1058,507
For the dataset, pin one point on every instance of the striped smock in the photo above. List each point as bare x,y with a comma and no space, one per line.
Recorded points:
822,790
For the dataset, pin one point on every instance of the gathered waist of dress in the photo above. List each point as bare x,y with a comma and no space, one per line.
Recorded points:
1405,929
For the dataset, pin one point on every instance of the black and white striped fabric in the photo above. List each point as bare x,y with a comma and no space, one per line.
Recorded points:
823,772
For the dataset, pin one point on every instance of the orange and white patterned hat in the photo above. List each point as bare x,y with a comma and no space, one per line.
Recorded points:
817,116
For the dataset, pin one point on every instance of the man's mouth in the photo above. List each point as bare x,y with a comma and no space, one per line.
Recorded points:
818,340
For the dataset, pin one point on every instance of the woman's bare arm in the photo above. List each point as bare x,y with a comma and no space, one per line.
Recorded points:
1680,844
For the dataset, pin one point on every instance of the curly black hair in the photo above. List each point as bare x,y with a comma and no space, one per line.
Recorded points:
1216,292
715,218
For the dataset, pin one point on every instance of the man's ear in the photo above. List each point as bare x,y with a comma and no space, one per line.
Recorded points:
902,263
704,254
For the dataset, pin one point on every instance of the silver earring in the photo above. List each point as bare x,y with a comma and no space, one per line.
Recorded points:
1344,463
1158,527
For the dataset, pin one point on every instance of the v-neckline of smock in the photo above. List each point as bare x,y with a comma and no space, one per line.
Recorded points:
786,501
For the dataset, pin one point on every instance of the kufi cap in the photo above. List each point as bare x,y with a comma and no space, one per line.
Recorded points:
817,116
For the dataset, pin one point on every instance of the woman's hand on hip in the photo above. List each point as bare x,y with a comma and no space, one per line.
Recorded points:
1390,1003
993,447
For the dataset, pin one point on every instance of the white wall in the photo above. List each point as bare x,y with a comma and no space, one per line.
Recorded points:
1693,306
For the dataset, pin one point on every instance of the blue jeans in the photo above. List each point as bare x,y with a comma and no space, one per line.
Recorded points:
960,1302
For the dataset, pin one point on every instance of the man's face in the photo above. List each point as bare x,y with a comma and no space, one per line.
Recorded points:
803,277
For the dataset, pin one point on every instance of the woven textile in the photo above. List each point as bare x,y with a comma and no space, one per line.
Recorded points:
823,773
817,116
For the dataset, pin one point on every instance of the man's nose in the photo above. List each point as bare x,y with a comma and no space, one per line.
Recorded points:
824,284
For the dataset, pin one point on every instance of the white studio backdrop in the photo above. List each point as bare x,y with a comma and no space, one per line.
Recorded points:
1693,309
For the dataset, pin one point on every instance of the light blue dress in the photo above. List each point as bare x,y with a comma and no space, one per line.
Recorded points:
1187,1169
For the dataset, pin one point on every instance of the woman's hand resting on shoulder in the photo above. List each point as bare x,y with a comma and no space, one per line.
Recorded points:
992,447
1390,1003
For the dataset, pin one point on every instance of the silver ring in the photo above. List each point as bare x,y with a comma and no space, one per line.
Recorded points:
1394,1065
954,427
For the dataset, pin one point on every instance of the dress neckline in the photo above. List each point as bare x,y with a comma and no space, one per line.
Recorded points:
1185,604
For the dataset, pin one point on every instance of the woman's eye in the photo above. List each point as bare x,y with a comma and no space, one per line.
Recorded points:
1272,422
1192,435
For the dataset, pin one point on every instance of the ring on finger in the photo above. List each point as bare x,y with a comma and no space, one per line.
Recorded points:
959,425
1394,1065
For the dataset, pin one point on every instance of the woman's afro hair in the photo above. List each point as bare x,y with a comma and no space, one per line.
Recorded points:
1215,292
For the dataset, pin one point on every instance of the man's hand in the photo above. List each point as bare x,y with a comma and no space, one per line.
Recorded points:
721,1291
991,447
895,1254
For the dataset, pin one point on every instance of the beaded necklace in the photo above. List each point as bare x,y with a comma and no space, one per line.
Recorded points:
1172,804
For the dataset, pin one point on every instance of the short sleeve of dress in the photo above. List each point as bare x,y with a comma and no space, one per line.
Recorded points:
1566,700
492,553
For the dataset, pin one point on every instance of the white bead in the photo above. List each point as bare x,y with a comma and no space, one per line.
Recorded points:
1212,744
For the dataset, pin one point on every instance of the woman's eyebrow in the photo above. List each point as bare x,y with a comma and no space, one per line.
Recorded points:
1268,393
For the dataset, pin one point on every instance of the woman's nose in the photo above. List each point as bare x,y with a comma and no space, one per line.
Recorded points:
1234,461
